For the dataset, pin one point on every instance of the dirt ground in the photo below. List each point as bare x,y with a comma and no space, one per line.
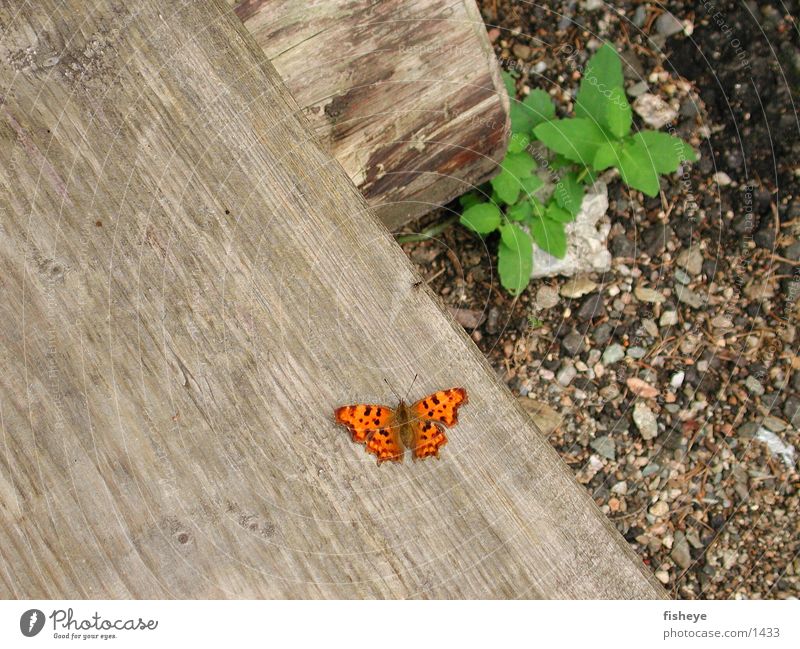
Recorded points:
671,383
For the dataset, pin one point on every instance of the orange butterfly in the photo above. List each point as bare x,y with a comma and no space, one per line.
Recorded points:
388,432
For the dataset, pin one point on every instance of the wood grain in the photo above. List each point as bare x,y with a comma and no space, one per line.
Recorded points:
191,285
405,94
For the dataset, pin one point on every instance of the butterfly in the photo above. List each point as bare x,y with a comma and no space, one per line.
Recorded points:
388,432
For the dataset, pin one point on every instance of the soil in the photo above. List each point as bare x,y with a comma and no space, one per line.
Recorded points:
671,383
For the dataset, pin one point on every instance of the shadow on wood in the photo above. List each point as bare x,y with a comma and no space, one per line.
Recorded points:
191,286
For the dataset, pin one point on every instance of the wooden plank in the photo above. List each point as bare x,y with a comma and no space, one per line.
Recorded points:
406,94
191,286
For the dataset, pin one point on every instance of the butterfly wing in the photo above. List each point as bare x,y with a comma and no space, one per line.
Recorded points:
429,437
372,425
441,406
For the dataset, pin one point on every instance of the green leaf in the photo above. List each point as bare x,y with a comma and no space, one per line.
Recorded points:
636,168
518,142
607,156
550,237
522,211
576,139
469,199
569,194
618,113
514,258
541,106
515,168
668,152
537,209
556,213
508,81
602,75
482,218
559,162
531,184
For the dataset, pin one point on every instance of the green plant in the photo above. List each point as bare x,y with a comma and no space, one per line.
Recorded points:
575,150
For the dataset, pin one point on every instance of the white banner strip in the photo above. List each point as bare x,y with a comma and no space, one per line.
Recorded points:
382,625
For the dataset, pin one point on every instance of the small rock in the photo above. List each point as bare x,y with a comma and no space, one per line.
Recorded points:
680,552
682,276
577,287
621,246
668,25
546,297
722,179
754,386
654,110
573,343
691,260
602,334
688,296
645,420
638,89
593,307
521,51
641,388
677,379
613,354
566,374
605,446
662,576
637,352
620,488
659,509
650,327
648,295
765,238
468,318
747,430
668,319
546,419
775,424
791,409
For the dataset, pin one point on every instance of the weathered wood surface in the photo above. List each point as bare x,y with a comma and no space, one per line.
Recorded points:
190,286
406,94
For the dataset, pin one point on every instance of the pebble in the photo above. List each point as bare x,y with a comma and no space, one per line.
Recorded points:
613,354
545,418
648,295
641,388
566,374
637,352
546,297
754,386
645,420
572,343
654,110
775,424
650,327
680,551
691,260
593,307
722,179
668,25
577,287
687,296
662,576
605,446
668,319
620,488
659,509
682,276
677,379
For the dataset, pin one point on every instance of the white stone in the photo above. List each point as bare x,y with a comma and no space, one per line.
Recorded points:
654,110
586,240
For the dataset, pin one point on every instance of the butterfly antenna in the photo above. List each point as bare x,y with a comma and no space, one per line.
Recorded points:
391,388
411,386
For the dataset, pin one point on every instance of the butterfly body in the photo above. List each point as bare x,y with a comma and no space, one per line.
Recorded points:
387,432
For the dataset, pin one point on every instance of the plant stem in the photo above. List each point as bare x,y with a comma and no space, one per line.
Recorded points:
582,174
429,232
